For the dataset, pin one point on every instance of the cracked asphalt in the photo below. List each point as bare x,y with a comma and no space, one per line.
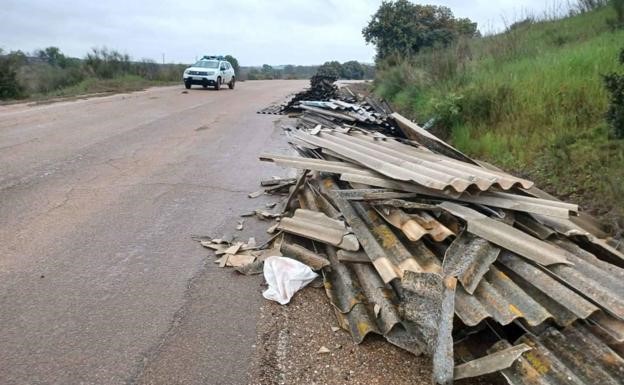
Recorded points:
100,282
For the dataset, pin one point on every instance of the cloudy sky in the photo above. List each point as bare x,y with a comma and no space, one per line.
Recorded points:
256,32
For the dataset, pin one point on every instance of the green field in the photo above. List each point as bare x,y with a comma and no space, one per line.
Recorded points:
530,100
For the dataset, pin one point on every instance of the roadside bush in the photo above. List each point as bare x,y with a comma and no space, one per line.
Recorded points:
616,22
10,88
441,64
147,69
447,111
41,78
106,64
618,5
396,73
170,72
614,83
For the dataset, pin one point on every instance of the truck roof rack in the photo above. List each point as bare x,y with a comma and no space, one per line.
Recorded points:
213,57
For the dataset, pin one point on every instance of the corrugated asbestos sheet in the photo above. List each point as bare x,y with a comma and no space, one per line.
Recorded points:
572,355
422,167
442,256
511,289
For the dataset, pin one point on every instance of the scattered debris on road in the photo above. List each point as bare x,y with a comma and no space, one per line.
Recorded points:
438,253
321,88
323,350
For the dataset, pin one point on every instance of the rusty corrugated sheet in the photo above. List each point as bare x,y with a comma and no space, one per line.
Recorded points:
497,296
468,258
363,303
414,225
573,355
513,289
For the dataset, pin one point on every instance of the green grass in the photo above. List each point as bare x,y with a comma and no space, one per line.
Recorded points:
530,100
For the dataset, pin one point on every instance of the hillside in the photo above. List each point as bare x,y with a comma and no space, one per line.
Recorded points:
530,100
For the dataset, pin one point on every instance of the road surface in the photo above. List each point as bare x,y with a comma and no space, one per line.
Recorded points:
100,282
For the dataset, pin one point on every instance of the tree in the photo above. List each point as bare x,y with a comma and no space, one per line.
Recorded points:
330,68
369,71
53,56
352,70
234,62
400,27
267,71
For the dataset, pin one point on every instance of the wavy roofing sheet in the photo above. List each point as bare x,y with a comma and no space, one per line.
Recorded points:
354,173
425,168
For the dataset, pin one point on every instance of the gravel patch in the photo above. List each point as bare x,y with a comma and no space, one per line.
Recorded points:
289,339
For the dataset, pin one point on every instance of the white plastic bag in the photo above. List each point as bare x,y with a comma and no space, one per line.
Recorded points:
285,277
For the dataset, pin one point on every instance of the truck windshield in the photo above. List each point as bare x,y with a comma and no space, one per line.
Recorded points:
206,64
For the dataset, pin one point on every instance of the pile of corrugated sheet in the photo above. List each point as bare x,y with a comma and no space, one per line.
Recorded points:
321,88
446,256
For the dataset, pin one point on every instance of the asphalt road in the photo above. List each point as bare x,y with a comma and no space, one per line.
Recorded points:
100,282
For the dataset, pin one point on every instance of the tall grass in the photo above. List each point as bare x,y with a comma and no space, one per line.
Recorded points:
530,99
40,76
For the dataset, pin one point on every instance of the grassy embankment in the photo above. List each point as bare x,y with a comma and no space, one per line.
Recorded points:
530,100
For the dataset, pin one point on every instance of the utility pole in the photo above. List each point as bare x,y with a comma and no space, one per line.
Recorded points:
163,55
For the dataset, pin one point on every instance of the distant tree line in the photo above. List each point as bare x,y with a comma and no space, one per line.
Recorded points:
48,70
348,70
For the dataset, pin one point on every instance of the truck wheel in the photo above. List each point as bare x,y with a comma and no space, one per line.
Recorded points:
218,85
231,83
187,85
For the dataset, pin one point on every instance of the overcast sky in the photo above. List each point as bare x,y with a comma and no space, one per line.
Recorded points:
256,32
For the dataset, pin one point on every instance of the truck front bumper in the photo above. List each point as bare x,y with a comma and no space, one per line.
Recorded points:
201,80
